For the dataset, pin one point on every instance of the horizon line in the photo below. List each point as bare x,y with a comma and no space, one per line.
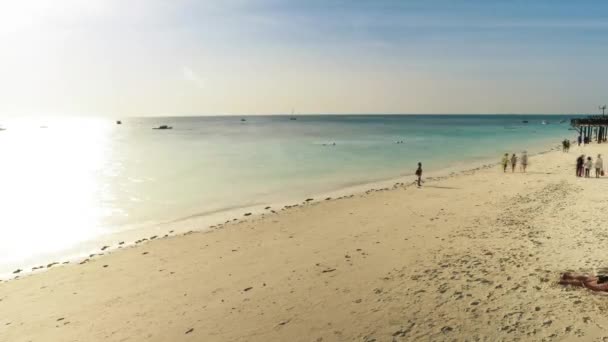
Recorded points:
349,114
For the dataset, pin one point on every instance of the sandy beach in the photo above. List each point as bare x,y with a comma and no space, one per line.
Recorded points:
471,256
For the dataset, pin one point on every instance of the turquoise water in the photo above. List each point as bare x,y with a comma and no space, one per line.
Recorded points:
76,181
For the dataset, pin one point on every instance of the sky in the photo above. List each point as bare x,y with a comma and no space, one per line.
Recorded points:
209,57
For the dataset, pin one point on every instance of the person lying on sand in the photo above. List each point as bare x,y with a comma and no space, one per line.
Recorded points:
595,283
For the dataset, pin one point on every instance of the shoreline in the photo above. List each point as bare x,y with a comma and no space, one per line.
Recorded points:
116,241
476,255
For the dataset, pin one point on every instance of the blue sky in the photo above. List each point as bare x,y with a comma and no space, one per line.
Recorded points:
185,57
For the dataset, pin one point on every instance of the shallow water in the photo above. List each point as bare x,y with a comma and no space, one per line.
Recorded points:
73,181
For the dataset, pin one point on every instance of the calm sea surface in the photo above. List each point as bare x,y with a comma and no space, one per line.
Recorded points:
67,184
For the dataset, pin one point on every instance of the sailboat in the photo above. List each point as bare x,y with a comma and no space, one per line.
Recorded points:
292,117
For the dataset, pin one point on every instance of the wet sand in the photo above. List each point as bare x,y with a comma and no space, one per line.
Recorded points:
472,256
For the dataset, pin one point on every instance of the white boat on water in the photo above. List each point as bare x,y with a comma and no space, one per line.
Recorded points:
544,122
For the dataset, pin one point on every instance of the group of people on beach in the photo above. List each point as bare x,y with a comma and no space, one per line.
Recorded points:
583,140
584,166
523,161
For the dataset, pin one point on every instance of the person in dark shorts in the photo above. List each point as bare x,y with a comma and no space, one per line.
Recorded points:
595,283
579,165
419,174
513,162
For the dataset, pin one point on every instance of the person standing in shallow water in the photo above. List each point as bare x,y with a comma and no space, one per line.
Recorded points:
513,162
419,174
505,162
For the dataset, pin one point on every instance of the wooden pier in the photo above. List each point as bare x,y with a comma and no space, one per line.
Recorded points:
594,127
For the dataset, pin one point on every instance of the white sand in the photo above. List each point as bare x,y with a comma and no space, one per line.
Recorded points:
474,256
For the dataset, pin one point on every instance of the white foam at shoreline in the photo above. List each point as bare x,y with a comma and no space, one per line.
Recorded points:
221,217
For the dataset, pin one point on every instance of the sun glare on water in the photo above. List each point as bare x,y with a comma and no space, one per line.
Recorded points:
51,193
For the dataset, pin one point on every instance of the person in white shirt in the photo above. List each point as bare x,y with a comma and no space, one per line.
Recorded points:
599,166
588,166
524,161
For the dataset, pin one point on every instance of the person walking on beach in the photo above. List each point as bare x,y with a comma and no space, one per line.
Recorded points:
419,174
579,165
580,140
566,145
505,162
524,161
513,162
588,166
599,166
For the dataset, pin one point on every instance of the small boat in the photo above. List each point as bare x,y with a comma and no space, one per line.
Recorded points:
243,120
293,118
163,127
562,121
525,121
544,122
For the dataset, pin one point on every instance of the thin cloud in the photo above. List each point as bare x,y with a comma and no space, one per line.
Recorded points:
191,76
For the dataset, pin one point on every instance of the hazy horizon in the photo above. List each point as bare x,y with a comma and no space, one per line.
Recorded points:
37,119
266,57
354,114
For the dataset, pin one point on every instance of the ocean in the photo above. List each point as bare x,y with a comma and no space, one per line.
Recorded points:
69,186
